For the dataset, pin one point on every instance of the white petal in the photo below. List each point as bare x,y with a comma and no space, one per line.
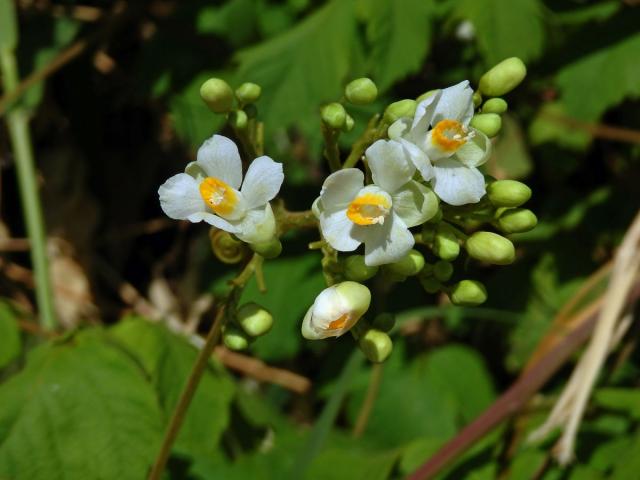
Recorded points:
180,198
424,114
399,128
415,204
386,243
455,103
259,225
340,188
419,159
336,229
218,156
389,164
215,221
456,184
262,181
476,151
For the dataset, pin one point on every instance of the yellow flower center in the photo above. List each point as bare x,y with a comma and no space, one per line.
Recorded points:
340,322
449,135
368,209
219,196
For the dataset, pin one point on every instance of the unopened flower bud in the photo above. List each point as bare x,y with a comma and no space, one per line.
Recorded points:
491,248
335,310
248,92
234,338
488,123
445,243
508,193
225,247
238,119
385,322
425,95
503,78
477,99
376,345
334,115
468,293
430,284
349,122
217,94
410,264
400,109
269,249
254,319
442,270
355,269
361,91
494,105
517,220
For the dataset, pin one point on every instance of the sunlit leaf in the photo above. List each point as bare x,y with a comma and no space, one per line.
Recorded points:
10,342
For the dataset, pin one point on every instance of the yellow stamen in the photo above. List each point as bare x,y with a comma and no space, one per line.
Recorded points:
219,196
449,135
339,322
368,209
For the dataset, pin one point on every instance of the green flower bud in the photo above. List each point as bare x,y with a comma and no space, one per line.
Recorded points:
248,92
234,338
254,319
425,95
437,218
411,264
269,249
385,322
517,220
349,122
238,119
488,123
225,247
334,115
508,193
430,284
400,109
376,345
468,293
445,243
494,105
477,99
217,94
503,78
490,248
361,91
442,270
355,269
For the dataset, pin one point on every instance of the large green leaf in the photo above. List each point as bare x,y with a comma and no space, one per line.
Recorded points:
601,79
300,69
505,29
78,410
168,360
8,25
399,34
10,342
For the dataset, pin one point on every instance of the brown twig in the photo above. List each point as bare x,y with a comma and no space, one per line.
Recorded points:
607,132
14,244
519,393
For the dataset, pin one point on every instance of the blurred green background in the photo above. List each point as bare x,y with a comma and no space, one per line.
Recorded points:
111,125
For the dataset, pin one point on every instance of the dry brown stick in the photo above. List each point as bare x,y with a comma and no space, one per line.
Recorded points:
511,401
14,244
607,132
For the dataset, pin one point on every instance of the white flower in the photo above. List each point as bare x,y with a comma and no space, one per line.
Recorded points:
208,190
335,310
443,147
377,215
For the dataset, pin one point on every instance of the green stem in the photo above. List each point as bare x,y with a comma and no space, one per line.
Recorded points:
372,133
369,401
331,149
21,144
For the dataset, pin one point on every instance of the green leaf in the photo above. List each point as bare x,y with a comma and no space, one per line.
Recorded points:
168,360
624,399
354,463
78,410
526,464
292,285
8,25
300,69
399,34
505,29
235,20
511,155
10,342
550,125
601,79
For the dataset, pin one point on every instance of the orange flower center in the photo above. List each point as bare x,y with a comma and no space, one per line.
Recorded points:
219,196
340,322
369,209
449,135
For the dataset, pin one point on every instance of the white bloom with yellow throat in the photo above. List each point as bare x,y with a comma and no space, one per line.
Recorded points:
335,310
210,191
378,215
443,147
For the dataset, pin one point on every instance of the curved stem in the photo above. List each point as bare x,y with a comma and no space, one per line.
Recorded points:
369,401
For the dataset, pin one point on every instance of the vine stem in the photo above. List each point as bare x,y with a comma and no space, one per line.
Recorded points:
19,133
369,401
